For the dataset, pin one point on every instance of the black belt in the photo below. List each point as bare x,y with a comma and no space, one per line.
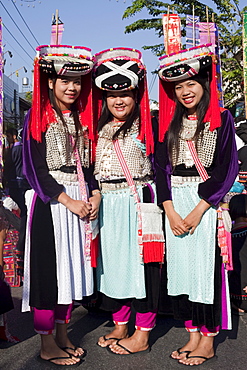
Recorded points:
119,181
68,169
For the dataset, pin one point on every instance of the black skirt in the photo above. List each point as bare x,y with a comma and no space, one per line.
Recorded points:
43,277
149,303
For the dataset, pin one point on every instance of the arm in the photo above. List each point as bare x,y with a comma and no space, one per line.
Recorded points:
162,173
177,224
94,192
226,164
194,217
35,167
95,203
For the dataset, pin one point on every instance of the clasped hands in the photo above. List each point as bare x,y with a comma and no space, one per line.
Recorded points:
79,207
180,226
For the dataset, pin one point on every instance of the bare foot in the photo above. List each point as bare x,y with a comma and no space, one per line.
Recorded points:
136,343
119,332
191,345
75,351
66,360
63,342
204,349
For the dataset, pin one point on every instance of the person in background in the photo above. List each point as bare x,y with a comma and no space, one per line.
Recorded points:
15,182
9,222
238,277
241,140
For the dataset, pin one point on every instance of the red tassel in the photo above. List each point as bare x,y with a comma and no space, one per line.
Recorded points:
84,104
213,112
166,107
94,251
146,133
42,113
153,252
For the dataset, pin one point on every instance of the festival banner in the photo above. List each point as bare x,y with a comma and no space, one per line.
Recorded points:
172,33
207,32
192,31
56,34
245,59
1,100
218,68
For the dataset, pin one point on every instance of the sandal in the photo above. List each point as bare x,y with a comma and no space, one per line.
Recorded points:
180,353
51,363
84,354
106,339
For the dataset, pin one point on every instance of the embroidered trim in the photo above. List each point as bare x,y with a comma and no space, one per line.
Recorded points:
142,328
209,334
120,322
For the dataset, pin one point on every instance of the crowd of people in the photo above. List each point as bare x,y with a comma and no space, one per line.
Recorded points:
94,161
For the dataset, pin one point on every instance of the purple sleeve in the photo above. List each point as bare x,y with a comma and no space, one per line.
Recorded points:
90,179
35,167
163,170
226,163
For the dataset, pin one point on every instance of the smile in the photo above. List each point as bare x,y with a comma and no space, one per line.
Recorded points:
188,100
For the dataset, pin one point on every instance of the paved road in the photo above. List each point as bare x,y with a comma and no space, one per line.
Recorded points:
85,328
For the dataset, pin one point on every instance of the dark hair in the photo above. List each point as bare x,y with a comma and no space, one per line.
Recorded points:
73,109
180,111
106,115
12,131
238,206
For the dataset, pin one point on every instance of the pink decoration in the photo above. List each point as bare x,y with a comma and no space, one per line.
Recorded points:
1,98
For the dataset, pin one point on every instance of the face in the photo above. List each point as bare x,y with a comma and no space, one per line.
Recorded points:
189,93
121,104
66,90
10,138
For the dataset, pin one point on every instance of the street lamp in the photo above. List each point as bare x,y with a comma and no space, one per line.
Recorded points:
10,54
4,60
17,70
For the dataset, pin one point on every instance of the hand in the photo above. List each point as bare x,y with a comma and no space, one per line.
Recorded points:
194,217
245,289
177,224
95,203
79,207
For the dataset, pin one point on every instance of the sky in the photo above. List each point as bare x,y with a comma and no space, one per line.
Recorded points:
96,24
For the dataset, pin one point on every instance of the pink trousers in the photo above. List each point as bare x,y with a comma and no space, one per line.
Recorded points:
202,329
44,320
144,321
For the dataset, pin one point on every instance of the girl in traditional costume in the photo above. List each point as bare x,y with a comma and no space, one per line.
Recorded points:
196,165
123,278
64,200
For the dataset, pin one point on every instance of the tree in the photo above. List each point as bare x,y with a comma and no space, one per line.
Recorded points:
227,16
